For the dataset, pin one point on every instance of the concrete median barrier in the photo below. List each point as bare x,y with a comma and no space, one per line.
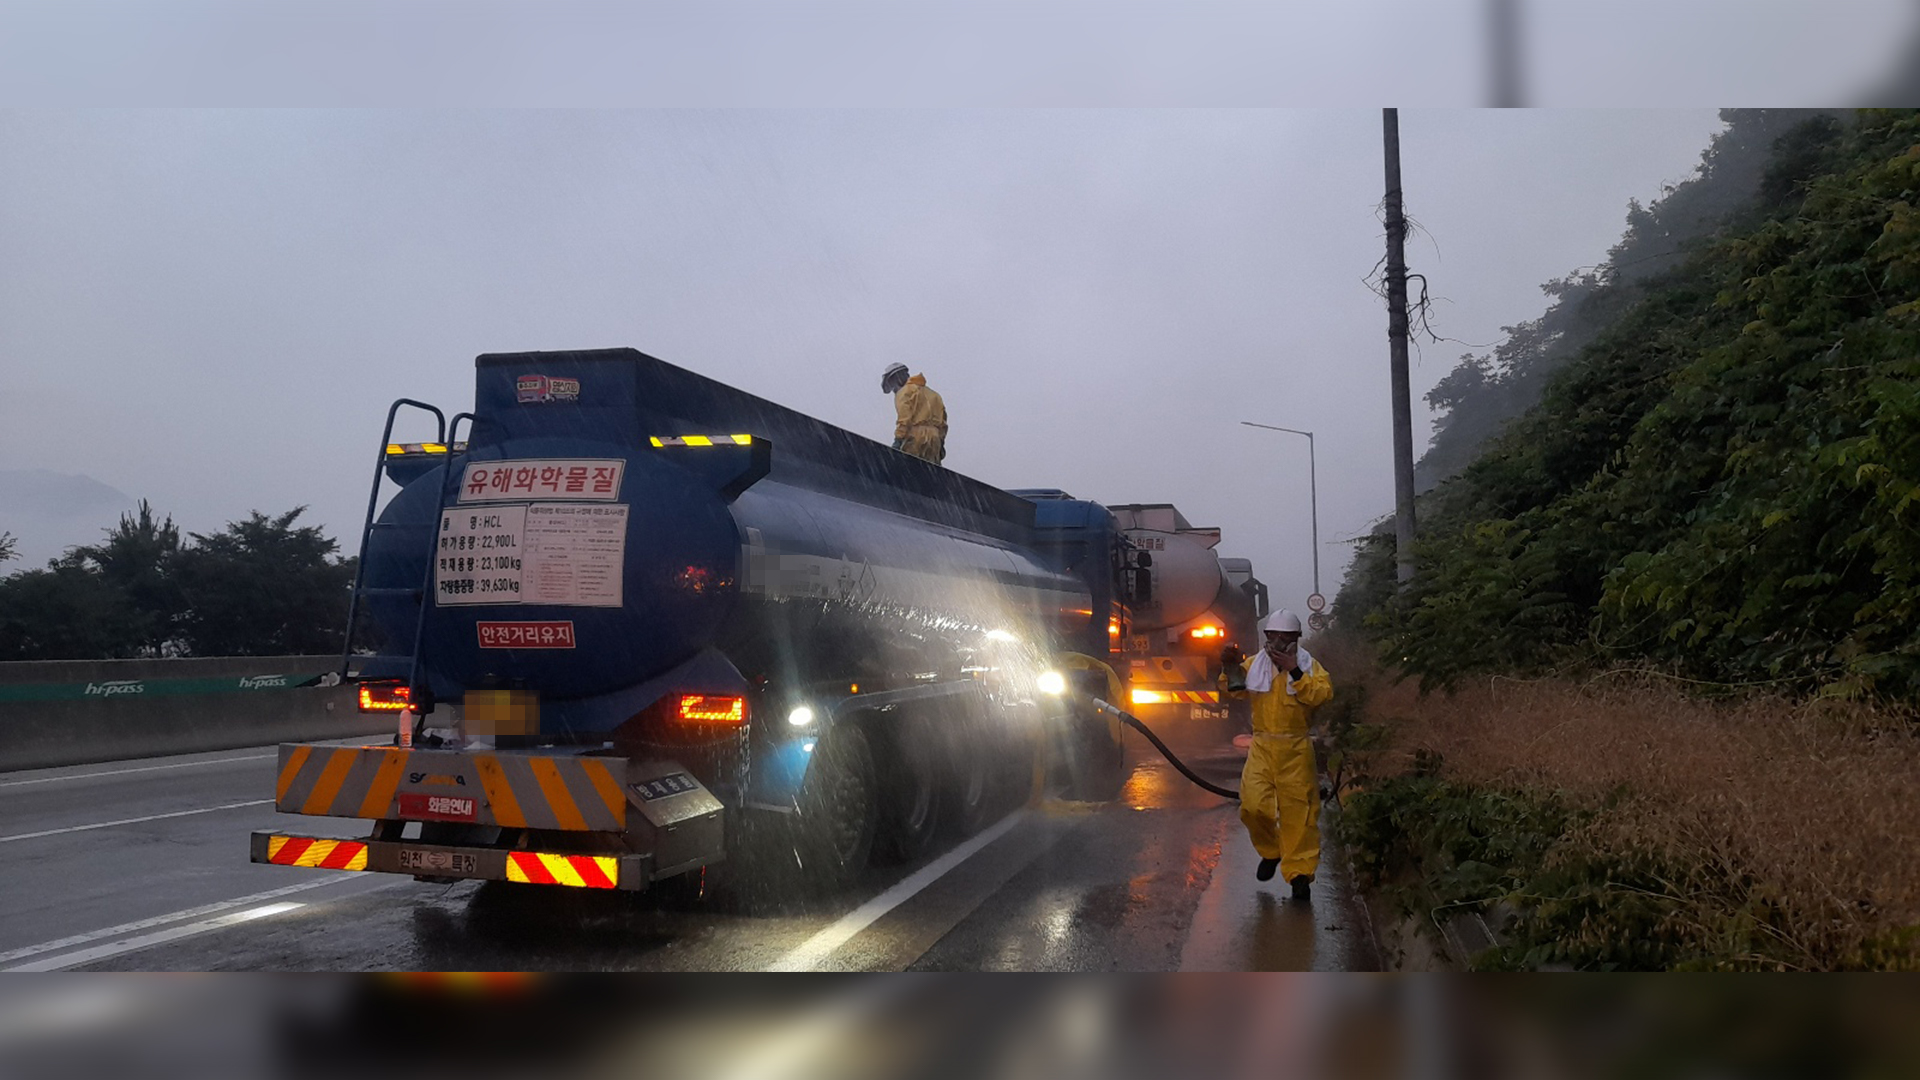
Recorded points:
74,712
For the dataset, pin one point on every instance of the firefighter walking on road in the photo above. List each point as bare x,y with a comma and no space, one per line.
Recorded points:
1279,791
920,417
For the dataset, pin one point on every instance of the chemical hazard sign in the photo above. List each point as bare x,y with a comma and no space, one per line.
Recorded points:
563,554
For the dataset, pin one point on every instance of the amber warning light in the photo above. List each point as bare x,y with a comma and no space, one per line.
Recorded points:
712,709
383,697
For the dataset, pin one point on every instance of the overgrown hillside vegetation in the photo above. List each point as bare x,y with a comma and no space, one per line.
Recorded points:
1736,178
1618,824
1723,480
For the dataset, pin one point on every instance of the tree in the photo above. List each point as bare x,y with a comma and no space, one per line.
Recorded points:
137,560
263,587
7,545
64,612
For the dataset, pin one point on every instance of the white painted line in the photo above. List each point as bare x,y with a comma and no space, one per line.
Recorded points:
133,821
126,945
332,877
143,768
821,945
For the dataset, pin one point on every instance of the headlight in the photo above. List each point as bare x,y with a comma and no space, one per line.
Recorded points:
1052,682
800,717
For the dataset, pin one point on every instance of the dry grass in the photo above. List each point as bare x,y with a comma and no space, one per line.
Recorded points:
1810,809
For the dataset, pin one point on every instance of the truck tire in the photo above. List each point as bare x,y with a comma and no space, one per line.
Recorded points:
986,776
911,797
973,793
836,819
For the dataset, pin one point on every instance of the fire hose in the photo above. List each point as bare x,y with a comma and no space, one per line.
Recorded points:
1133,722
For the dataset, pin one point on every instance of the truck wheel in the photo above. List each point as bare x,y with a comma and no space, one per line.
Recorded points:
837,809
910,795
984,777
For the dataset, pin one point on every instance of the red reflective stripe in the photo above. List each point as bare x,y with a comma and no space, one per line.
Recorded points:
530,865
589,872
341,855
291,851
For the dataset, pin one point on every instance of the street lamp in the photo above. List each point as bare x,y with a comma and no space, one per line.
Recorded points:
1313,490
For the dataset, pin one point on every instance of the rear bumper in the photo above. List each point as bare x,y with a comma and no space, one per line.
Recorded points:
625,872
1176,703
590,821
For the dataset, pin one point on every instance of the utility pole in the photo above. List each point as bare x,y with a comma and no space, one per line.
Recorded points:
1397,334
1503,50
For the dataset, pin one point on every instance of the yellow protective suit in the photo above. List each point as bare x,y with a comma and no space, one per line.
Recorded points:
920,422
1279,791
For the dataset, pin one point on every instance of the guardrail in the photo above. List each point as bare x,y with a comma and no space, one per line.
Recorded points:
75,712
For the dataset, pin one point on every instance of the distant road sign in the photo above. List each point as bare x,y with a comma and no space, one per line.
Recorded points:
1316,602
1316,621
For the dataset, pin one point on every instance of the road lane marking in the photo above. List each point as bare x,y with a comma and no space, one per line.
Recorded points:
822,944
173,917
115,948
143,768
133,821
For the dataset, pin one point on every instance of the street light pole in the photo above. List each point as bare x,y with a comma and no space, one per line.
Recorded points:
1313,495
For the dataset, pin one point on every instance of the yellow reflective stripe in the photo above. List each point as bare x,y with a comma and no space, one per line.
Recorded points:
294,761
506,808
316,852
335,774
380,794
700,440
558,797
562,870
609,789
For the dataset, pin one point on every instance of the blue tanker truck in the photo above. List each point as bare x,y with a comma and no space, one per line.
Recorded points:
637,622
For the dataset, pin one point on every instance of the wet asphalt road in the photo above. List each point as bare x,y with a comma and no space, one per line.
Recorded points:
142,865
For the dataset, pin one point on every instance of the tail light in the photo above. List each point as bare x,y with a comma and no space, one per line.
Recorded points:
384,697
710,710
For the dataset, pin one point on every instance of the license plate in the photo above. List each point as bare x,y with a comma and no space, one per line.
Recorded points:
439,862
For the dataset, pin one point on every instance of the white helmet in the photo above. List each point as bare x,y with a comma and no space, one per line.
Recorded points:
892,378
1283,621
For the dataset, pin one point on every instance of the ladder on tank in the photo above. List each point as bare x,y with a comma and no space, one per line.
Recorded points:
421,593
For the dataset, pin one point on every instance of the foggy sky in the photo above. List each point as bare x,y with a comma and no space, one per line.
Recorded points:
212,309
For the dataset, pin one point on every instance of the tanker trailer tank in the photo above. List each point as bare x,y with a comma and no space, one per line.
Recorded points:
1173,653
654,602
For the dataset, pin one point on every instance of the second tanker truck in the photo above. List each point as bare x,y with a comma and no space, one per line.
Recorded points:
1200,604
